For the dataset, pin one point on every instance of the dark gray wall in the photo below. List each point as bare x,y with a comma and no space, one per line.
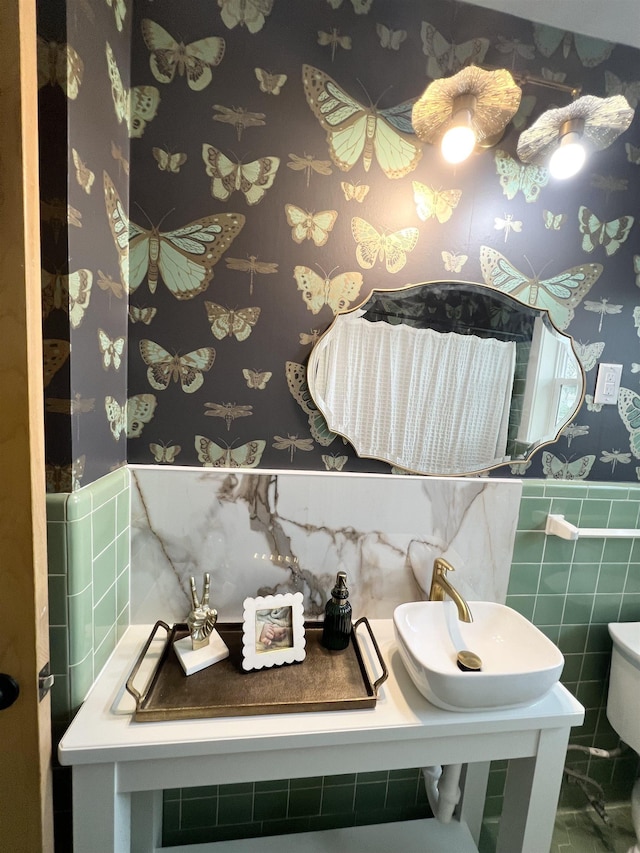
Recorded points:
277,327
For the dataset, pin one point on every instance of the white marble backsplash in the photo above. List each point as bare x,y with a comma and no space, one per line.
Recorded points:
266,532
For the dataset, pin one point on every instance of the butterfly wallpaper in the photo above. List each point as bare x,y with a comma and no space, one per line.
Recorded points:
219,180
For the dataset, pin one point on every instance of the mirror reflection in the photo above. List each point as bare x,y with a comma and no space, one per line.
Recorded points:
445,378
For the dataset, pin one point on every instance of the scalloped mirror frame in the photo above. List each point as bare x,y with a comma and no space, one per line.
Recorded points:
529,401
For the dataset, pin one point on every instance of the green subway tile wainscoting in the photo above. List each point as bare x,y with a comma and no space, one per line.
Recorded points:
571,590
88,551
272,807
88,544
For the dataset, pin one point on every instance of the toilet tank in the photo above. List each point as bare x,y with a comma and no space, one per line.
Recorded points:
624,682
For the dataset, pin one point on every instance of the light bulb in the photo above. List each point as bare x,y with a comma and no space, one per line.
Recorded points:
458,143
568,158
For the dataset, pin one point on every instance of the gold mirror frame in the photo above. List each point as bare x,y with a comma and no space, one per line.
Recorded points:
504,381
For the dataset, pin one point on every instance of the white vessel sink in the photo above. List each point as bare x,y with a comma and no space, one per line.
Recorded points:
519,663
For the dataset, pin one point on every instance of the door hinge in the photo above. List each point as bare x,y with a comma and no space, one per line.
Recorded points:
45,681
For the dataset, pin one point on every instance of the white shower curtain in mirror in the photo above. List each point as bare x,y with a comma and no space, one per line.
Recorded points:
423,400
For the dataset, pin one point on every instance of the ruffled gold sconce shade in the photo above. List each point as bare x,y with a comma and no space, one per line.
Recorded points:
561,137
471,108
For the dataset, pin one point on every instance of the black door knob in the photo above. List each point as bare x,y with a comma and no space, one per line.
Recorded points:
9,690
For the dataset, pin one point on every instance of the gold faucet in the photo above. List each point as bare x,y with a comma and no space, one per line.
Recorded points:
440,585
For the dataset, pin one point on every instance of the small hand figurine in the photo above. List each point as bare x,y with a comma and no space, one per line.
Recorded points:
202,618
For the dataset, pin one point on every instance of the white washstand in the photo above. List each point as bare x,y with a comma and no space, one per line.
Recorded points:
623,705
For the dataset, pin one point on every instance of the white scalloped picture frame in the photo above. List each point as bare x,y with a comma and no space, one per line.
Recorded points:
273,630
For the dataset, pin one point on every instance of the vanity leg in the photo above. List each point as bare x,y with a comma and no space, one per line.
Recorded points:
474,793
146,821
101,815
531,796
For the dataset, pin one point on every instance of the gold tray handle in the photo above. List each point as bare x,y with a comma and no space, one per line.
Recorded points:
385,673
129,685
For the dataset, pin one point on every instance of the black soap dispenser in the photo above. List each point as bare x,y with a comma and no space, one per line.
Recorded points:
336,631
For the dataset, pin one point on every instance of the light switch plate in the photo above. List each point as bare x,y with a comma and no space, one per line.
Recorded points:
607,384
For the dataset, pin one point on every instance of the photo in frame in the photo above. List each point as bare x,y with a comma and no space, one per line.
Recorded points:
273,630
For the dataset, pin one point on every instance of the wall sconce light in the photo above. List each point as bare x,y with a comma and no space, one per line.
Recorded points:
561,138
471,108
459,139
570,154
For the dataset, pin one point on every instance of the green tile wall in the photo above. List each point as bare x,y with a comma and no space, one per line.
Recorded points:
88,553
221,812
88,540
570,590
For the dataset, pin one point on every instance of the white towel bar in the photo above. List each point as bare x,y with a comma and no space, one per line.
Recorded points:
557,525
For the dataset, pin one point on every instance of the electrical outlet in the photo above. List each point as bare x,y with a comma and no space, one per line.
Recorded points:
607,384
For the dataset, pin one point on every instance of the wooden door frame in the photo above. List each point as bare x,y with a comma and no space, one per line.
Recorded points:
25,728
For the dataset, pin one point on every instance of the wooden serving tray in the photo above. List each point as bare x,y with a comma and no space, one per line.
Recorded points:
323,681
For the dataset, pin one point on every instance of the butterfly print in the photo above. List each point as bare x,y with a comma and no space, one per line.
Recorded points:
169,162
231,322
310,226
445,58
251,179
559,294
163,453
187,369
212,455
184,258
194,60
338,293
437,203
390,247
256,379
516,177
270,84
131,417
112,350
609,235
355,131
556,469
246,13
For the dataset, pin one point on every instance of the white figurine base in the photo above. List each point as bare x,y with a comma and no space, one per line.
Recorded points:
194,660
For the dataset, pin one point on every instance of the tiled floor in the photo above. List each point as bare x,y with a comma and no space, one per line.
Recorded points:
584,832
581,832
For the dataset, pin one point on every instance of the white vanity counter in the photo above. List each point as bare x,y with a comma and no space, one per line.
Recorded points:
120,767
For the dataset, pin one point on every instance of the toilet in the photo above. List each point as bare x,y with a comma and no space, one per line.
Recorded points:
623,703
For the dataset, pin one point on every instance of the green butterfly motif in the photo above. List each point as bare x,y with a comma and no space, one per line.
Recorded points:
588,354
553,221
519,468
576,469
446,57
633,153
514,176
629,409
615,86
636,268
559,294
297,382
591,51
610,235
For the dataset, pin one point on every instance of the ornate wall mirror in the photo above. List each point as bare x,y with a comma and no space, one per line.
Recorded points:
446,378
